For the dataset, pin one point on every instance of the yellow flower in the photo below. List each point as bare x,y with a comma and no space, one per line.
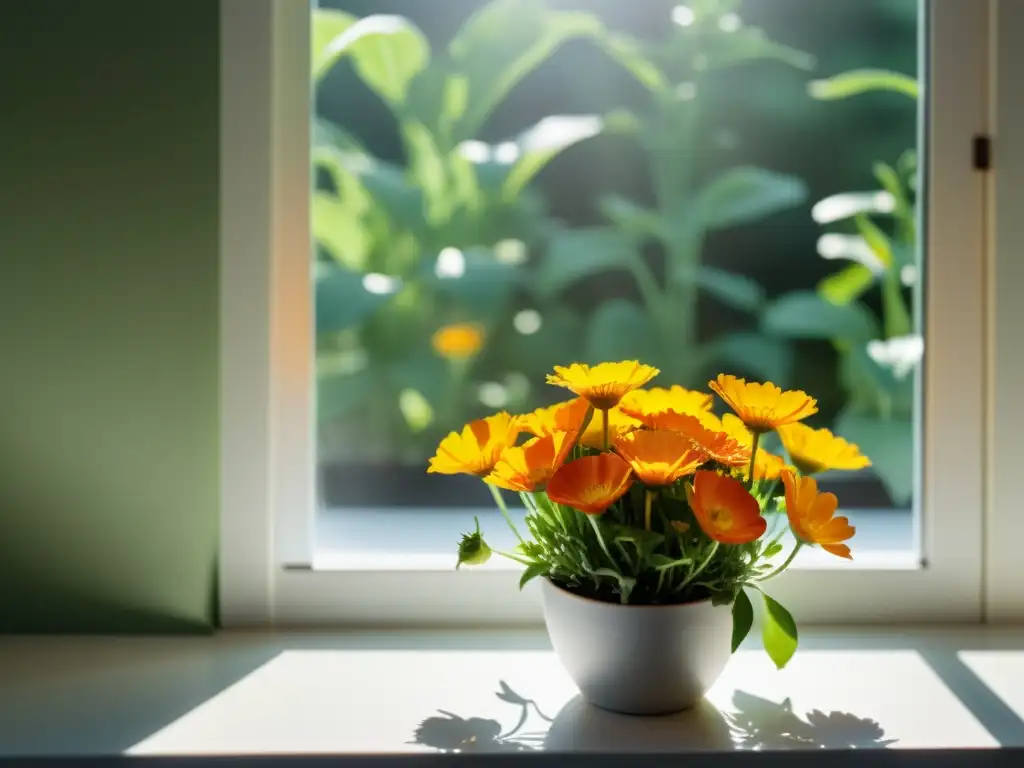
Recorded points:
763,407
605,384
659,457
477,448
815,450
458,342
591,484
642,403
561,417
767,465
725,509
618,424
529,467
812,515
718,446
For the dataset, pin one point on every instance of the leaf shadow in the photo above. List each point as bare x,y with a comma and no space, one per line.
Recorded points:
752,723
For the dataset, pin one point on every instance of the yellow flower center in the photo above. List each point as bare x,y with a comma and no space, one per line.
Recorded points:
593,494
721,518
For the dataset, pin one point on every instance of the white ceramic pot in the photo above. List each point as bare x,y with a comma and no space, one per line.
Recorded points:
638,659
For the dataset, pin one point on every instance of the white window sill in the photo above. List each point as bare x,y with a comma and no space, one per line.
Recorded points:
423,539
367,693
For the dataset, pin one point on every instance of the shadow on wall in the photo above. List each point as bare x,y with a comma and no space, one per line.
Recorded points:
754,723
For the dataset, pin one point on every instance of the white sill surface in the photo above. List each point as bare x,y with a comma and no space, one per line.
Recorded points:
373,693
427,539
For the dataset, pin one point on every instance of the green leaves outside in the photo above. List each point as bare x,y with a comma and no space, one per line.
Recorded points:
860,81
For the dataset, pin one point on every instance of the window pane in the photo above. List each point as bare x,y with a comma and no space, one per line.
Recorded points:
505,186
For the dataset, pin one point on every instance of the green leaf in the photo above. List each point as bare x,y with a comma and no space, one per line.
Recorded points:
342,301
882,386
875,238
745,194
754,354
620,330
542,142
742,619
890,181
427,167
734,290
772,549
328,26
574,254
846,285
664,563
806,315
778,631
752,44
531,572
387,52
399,200
502,43
890,446
338,228
631,54
629,217
859,81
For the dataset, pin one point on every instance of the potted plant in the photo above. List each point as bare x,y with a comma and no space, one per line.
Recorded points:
648,515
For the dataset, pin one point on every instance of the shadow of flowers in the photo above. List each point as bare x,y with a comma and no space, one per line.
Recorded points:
753,724
758,723
452,733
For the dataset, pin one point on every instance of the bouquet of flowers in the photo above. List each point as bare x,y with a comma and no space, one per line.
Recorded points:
645,496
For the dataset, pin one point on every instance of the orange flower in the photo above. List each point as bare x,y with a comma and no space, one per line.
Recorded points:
477,448
812,515
591,484
458,342
767,465
815,450
561,417
725,509
618,424
641,403
659,457
718,446
763,407
529,467
605,384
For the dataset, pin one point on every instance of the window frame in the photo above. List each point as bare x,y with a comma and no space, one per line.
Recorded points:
268,378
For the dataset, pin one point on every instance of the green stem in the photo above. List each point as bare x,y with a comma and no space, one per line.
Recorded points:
700,568
600,539
647,286
648,499
604,427
753,456
504,511
511,556
784,566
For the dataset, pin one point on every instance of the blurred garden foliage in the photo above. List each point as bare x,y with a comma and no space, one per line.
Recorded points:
584,180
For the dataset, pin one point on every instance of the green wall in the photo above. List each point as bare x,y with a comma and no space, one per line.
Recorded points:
108,315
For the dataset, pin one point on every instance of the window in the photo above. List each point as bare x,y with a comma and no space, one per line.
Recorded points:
713,186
